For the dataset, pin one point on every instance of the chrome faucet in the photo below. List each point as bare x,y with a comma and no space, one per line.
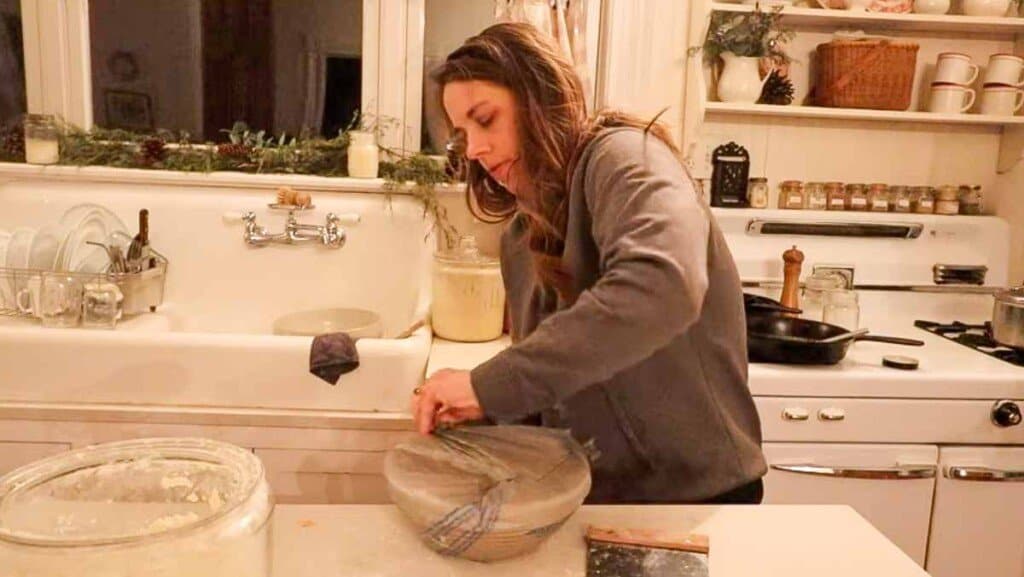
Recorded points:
331,234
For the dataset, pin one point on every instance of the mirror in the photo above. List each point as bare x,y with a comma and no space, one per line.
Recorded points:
447,23
283,66
12,63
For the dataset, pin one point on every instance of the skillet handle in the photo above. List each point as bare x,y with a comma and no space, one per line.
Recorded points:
892,340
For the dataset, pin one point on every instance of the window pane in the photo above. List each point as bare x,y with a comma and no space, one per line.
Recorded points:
447,23
283,66
12,63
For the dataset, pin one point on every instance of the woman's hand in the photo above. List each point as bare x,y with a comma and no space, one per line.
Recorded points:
446,397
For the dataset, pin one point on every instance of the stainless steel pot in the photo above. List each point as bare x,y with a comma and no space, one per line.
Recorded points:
1008,317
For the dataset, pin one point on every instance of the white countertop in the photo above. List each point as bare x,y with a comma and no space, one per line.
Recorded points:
947,370
765,540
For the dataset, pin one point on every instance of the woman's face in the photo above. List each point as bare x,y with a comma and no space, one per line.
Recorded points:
486,113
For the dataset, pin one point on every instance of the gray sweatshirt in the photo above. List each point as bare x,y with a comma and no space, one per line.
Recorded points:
649,365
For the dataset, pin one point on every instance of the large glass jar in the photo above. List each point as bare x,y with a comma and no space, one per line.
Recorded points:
140,508
469,295
947,200
816,289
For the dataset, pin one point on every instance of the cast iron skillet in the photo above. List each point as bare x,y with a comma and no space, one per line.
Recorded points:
757,305
779,339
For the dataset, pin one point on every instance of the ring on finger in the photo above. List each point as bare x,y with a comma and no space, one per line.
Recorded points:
417,390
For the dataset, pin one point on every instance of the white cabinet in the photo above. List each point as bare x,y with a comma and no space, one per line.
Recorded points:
890,485
978,518
14,455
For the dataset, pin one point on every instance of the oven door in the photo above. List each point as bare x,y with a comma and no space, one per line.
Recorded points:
978,520
889,485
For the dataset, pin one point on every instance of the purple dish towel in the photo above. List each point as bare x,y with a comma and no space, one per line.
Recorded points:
333,355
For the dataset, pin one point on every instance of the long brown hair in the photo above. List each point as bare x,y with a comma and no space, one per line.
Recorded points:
553,127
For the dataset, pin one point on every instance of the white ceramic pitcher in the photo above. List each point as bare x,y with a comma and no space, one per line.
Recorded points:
741,79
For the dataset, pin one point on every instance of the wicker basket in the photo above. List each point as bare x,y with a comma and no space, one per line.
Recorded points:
870,73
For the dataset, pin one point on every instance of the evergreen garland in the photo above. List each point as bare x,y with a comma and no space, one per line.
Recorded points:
247,151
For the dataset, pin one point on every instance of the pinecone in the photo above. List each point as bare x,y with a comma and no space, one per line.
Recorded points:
12,142
235,151
777,90
153,150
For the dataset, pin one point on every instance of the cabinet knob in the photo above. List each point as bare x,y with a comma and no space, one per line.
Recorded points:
831,414
1006,414
795,414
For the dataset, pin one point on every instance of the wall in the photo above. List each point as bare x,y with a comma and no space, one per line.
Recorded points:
164,36
305,29
1007,201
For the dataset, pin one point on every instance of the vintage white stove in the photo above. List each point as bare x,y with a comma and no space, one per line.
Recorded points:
934,457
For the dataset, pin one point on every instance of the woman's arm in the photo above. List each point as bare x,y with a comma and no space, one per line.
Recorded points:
652,235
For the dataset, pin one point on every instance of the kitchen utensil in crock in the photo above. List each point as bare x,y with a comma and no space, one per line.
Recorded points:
800,341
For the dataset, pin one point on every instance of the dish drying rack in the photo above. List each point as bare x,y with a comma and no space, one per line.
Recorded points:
143,291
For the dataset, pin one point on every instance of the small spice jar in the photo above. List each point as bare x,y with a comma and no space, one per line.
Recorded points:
791,195
856,197
899,199
757,192
836,195
878,197
947,200
41,139
817,198
970,200
923,199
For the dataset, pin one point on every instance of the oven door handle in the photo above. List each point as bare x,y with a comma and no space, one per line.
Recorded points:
883,473
984,474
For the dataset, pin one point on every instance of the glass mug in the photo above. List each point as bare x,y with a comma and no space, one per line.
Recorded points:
60,300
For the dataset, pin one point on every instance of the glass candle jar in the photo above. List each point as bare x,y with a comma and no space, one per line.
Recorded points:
817,198
899,199
144,508
878,198
836,194
923,199
791,195
42,142
363,155
757,192
856,197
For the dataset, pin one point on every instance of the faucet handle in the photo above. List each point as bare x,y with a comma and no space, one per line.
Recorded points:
237,216
344,218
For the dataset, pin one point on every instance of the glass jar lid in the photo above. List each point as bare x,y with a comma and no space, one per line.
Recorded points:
467,253
125,492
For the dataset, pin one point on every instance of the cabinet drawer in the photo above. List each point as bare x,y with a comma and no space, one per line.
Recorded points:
14,455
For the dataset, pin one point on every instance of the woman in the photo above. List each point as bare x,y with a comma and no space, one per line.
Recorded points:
626,307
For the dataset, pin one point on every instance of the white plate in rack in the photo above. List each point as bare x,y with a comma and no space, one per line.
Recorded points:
6,298
47,242
76,215
92,228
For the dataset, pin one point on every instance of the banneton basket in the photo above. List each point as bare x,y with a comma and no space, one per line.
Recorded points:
488,493
872,73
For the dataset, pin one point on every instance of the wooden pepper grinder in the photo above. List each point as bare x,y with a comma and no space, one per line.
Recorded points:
793,261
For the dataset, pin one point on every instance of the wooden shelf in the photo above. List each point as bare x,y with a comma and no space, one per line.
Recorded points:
966,25
725,108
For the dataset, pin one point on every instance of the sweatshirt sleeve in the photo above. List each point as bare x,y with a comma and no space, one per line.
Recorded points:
652,237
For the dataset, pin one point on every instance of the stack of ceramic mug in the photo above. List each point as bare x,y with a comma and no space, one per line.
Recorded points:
1001,93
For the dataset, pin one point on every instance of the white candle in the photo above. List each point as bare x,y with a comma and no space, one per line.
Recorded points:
38,151
363,156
